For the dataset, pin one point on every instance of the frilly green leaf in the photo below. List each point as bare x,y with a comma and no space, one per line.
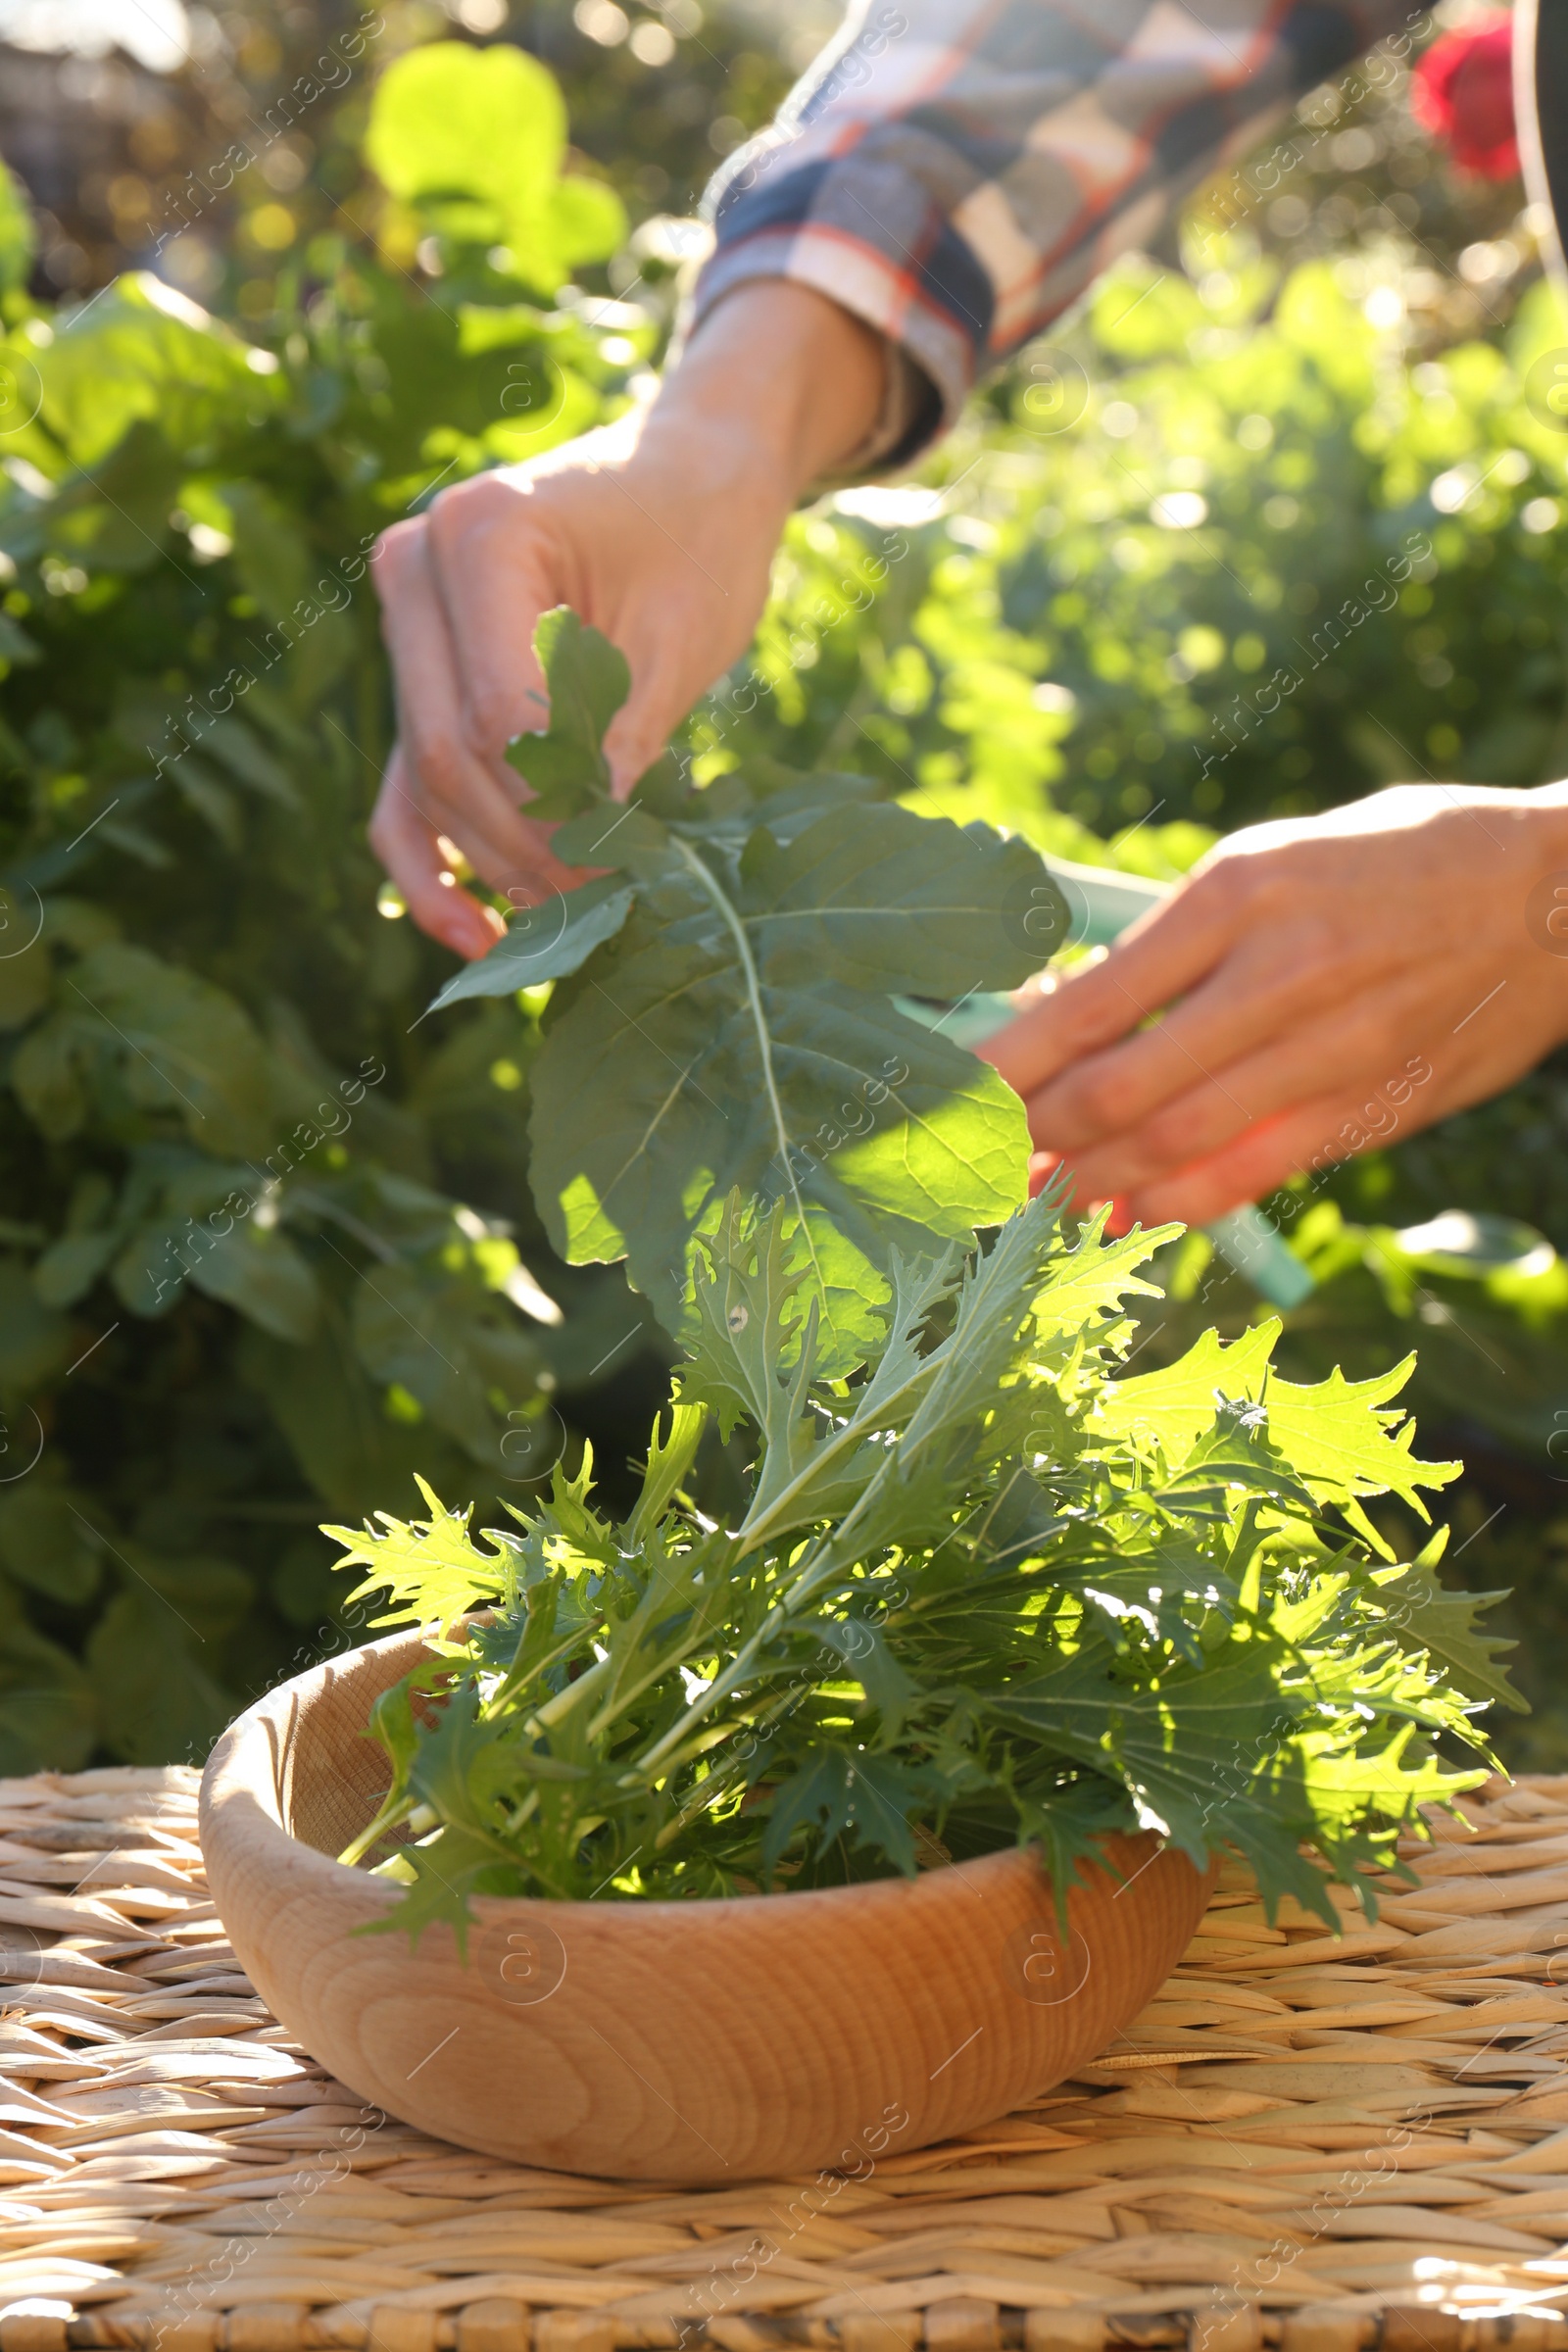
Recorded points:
980,1590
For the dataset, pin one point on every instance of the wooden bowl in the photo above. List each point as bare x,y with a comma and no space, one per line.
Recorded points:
716,2040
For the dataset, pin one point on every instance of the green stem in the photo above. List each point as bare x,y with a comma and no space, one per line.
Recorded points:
395,1808
507,1690
555,1710
764,1042
840,1545
819,1566
724,1776
753,1533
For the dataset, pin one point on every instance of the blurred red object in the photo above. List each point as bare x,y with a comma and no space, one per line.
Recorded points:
1461,89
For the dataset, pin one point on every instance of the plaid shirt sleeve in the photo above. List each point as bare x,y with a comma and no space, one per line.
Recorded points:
957,172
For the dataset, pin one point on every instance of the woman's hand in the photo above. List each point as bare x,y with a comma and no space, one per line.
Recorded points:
659,530
1314,987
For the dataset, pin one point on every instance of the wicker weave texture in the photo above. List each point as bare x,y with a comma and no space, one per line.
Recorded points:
1303,2141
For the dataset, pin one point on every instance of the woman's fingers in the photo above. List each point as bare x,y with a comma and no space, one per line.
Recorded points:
1364,1044
494,574
501,553
1322,985
460,791
1163,954
1249,1168
1106,1095
408,846
1267,990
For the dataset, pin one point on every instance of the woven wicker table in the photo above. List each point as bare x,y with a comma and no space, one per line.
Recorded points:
1318,2143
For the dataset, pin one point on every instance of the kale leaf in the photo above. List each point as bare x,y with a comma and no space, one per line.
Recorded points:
722,1016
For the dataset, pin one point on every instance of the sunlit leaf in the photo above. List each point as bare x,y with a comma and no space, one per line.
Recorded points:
737,1029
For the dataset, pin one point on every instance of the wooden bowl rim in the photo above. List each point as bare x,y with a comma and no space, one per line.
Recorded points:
271,1722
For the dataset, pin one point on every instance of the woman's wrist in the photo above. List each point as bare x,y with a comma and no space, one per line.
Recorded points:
787,382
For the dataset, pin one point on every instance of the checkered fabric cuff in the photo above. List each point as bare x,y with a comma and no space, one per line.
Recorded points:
932,357
956,173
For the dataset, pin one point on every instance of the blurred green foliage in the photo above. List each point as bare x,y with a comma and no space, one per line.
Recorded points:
257,1246
1187,551
223,171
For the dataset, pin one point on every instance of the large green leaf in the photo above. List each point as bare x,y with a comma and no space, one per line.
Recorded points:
737,1030
112,515
448,120
352,1453
262,1274
679,1070
48,1709
156,1696
1174,1407
475,138
24,962
587,219
1215,1754
1341,1438
47,1540
1191,1749
35,1343
273,554
1422,1616
1344,1441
